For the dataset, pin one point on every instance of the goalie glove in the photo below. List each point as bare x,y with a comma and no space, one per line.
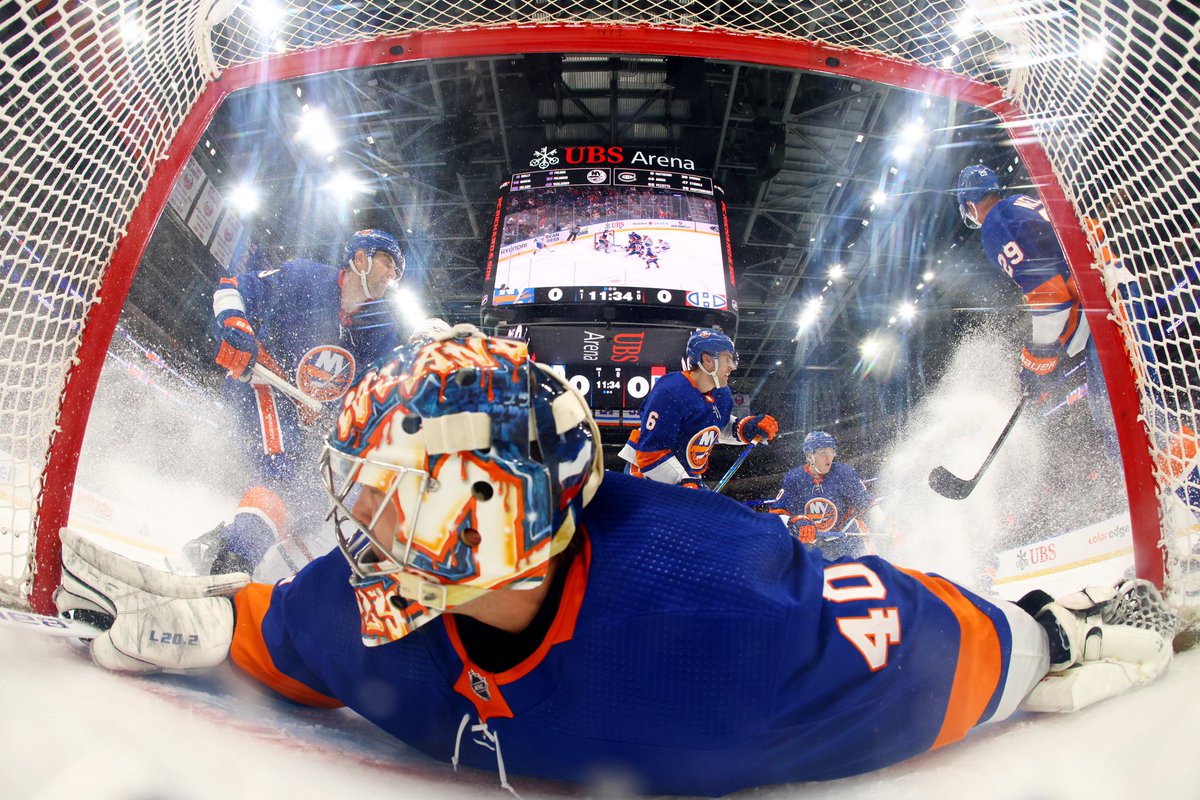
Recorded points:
155,620
1103,641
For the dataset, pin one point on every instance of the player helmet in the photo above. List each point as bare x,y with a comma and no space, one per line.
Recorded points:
817,440
478,460
975,183
372,241
708,340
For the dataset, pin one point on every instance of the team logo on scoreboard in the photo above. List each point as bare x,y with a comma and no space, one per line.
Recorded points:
626,176
700,447
597,175
325,372
706,300
824,514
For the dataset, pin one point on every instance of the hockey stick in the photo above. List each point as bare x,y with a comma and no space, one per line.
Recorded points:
945,483
267,371
735,467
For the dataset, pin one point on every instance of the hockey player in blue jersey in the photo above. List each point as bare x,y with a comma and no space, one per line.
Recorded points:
826,503
1017,236
686,414
498,601
318,327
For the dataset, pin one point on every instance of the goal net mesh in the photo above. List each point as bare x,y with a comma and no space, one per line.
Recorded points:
95,92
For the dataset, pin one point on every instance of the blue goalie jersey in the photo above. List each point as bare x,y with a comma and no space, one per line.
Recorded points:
678,659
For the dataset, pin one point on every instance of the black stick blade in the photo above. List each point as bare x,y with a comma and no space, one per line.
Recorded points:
947,484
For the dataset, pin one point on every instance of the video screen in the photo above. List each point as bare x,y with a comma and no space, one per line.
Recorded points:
613,236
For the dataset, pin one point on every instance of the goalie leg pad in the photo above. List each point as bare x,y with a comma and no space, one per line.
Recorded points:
1102,642
160,621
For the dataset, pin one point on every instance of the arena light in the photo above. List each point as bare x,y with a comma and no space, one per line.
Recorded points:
245,199
1093,51
268,16
836,271
810,313
928,276
132,32
315,130
870,347
879,197
408,306
906,311
345,185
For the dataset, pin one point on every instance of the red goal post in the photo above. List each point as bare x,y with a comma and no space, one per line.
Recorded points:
100,120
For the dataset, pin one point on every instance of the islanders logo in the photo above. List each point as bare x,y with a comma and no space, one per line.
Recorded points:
824,514
325,372
700,447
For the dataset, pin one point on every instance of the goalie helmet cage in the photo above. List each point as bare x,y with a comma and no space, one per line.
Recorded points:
104,101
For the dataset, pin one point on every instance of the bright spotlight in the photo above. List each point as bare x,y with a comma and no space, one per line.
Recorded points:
914,131
244,198
132,32
928,276
810,313
907,311
870,347
879,197
267,15
408,306
836,271
315,130
1094,51
964,26
345,185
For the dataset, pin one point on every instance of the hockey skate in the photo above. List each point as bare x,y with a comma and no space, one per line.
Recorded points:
1102,640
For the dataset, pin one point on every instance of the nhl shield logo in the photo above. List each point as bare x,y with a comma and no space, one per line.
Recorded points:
479,685
325,372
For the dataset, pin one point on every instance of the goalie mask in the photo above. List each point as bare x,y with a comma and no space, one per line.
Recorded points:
457,468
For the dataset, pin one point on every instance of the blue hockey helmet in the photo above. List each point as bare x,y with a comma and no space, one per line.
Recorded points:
975,183
711,341
817,440
372,241
457,468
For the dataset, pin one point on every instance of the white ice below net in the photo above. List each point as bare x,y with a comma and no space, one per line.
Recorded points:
73,730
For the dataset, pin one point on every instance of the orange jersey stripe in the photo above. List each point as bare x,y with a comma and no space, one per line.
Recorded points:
645,460
1051,293
249,652
977,673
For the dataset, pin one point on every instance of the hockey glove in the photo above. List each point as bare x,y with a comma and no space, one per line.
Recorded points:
237,348
1103,641
155,620
759,427
801,527
1037,363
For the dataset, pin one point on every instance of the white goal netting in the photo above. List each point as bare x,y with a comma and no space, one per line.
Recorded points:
95,93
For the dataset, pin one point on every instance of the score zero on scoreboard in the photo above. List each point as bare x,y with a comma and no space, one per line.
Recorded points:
607,386
630,295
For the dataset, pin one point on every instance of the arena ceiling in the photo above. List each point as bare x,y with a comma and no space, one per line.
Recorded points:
838,189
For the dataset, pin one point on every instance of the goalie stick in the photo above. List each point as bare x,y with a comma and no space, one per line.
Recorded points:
54,626
947,484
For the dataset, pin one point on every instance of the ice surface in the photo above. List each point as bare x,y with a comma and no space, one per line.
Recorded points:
72,730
